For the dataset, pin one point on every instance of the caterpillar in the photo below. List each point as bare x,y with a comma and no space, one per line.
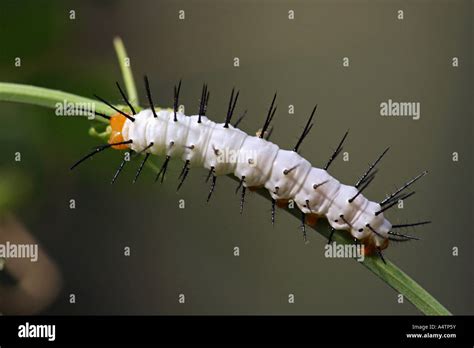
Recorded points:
222,149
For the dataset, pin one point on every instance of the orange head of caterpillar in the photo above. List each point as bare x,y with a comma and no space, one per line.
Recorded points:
116,123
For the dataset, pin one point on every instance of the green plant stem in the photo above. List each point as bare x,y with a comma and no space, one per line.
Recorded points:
389,272
125,67
49,98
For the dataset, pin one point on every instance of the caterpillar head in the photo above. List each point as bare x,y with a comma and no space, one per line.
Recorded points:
116,123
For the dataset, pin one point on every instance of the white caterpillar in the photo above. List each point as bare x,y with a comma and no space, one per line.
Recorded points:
257,163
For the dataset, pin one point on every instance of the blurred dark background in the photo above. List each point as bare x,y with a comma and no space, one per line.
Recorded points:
190,250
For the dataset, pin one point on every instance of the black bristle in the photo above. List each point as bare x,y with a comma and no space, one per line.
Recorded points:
163,168
143,162
379,253
288,171
125,98
148,94
270,115
393,196
203,102
345,221
399,198
242,199
204,110
407,237
366,183
210,173
364,176
306,129
411,224
316,186
336,153
213,186
331,234
119,169
303,227
184,174
140,168
373,230
97,150
236,124
113,107
241,181
100,114
273,211
230,110
175,100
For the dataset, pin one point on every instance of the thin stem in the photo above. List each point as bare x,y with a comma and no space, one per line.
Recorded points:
49,98
125,67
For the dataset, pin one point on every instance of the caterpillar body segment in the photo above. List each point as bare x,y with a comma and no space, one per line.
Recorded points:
285,174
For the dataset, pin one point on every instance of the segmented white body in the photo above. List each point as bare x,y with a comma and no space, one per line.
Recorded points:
285,174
